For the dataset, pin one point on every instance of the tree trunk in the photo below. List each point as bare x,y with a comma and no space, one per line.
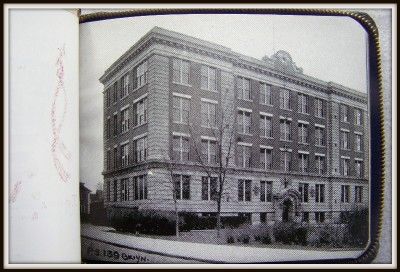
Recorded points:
176,217
177,224
219,217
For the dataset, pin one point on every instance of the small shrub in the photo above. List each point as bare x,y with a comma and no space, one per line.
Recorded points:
230,240
300,236
191,221
284,232
266,240
145,221
232,221
257,238
290,233
358,228
325,237
246,239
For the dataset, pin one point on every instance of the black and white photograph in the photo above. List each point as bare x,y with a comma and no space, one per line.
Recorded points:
199,136
227,138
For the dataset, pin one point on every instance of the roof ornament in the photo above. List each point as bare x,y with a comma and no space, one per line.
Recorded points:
283,62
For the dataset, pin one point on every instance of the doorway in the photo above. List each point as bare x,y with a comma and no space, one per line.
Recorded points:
287,206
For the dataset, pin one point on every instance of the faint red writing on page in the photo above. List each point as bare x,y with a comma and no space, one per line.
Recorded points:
14,191
60,153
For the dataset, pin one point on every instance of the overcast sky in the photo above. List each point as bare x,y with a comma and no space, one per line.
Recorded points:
328,48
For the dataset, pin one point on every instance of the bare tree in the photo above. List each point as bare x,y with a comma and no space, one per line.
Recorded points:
172,166
217,165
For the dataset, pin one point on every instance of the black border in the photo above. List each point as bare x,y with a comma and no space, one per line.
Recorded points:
377,139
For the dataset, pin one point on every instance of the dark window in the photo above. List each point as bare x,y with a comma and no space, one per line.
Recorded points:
266,191
115,121
306,217
115,185
320,217
244,190
263,217
303,189
209,188
319,193
182,186
140,187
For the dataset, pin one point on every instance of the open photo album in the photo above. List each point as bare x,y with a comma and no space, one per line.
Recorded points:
209,136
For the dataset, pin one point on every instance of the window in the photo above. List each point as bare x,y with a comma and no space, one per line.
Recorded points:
243,87
319,136
266,158
181,108
125,86
303,133
115,157
359,141
115,193
319,108
265,126
182,186
284,99
108,97
244,156
244,122
358,117
108,128
124,189
286,160
108,159
344,139
345,166
358,165
265,94
108,190
208,114
140,112
285,130
125,120
266,191
303,189
319,193
263,217
358,194
141,74
180,72
305,217
345,193
209,188
244,190
320,164
115,122
140,149
140,187
209,151
320,217
302,105
246,217
303,162
115,92
344,113
208,78
125,154
180,148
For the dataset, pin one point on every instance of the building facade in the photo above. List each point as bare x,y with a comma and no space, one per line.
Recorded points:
297,147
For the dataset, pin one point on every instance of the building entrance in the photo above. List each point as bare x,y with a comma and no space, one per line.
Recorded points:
287,211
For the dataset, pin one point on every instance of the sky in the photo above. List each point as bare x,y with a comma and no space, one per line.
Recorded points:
328,48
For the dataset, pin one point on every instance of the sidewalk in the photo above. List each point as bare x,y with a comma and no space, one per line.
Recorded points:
210,253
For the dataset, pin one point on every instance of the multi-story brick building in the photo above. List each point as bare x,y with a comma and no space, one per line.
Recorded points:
299,148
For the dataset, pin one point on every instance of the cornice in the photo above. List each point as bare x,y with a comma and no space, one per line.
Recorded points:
194,45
